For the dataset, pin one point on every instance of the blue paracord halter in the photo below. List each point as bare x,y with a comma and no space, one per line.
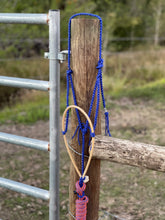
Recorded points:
98,86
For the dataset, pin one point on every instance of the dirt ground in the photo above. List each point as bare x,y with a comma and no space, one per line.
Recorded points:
128,193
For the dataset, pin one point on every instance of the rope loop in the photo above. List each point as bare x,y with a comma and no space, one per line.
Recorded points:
66,142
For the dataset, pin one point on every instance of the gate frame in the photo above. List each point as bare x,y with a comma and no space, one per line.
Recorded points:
53,86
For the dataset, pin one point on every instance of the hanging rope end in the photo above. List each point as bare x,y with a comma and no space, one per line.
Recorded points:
81,202
107,131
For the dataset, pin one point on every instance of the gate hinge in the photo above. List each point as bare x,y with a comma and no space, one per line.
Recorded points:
61,56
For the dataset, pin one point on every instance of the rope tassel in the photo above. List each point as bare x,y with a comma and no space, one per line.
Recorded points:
107,131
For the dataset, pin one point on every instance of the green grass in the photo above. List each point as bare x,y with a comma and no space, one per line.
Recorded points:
36,68
19,106
26,112
29,111
150,91
37,108
136,75
128,188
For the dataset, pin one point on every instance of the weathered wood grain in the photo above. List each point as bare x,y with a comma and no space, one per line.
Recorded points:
85,55
130,152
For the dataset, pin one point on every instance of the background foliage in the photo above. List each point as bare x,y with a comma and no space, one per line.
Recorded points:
133,44
122,19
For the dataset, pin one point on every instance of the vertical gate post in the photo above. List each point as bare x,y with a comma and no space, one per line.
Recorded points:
85,55
54,105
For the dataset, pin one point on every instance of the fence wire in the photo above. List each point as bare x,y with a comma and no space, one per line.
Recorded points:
65,39
105,215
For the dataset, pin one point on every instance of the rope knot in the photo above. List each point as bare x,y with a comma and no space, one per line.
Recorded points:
63,132
106,114
92,134
83,130
80,186
69,72
100,64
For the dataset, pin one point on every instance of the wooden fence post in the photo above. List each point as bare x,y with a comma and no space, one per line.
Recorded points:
85,55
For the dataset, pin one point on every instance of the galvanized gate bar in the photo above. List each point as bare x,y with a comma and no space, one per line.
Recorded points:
24,141
53,19
21,18
23,188
54,100
24,83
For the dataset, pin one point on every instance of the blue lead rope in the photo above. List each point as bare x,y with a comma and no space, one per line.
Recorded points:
97,88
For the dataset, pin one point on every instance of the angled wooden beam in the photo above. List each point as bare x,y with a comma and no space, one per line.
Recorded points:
130,153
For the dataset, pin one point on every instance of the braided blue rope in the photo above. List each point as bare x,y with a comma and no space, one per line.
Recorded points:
97,88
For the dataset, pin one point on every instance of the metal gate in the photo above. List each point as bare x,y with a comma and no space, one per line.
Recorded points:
53,87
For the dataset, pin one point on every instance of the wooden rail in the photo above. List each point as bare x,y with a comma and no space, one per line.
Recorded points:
130,153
